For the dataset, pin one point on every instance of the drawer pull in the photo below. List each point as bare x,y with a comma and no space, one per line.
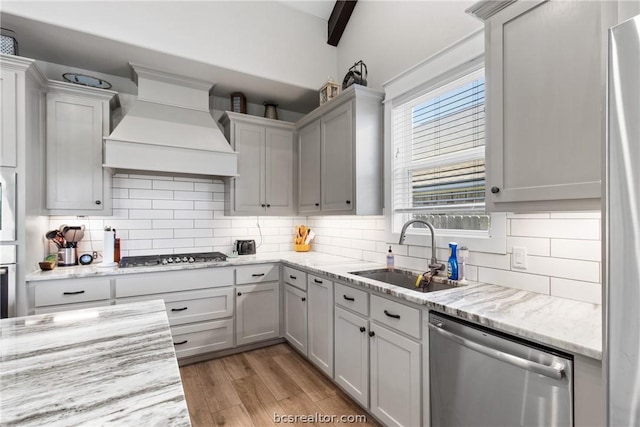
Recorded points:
317,281
181,342
73,293
257,275
179,309
348,298
292,277
395,316
362,329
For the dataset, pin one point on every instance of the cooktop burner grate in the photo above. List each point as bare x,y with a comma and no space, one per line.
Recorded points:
171,259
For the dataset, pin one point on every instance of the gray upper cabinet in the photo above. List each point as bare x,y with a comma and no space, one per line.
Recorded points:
340,155
545,70
264,185
309,167
77,120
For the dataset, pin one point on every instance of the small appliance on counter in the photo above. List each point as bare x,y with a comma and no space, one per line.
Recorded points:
66,239
244,247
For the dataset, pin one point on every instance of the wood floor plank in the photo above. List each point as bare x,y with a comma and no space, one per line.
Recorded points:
197,404
219,391
310,380
340,404
278,381
235,416
274,350
258,400
301,404
237,366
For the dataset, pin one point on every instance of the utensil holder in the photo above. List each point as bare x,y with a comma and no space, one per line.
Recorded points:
301,248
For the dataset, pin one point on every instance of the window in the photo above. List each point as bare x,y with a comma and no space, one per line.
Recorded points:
437,165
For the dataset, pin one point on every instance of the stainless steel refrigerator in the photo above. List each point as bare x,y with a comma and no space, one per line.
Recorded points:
622,227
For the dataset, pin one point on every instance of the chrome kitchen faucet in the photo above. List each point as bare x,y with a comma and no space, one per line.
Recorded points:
434,265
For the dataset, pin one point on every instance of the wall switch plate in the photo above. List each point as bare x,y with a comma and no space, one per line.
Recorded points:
519,257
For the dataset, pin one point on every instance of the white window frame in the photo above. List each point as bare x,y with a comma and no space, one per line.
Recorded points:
446,66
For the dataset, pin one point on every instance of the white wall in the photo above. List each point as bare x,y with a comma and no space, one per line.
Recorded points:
263,38
392,36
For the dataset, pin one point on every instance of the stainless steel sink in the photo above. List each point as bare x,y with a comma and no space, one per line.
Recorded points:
402,278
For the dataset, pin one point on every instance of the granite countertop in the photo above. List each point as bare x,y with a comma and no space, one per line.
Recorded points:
112,365
572,326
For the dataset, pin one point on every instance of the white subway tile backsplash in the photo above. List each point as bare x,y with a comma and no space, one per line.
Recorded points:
172,204
193,214
150,194
150,214
192,232
165,214
172,223
192,195
574,289
173,243
589,250
513,279
131,183
558,228
587,271
172,185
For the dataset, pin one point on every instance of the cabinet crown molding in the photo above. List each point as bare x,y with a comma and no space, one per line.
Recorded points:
485,9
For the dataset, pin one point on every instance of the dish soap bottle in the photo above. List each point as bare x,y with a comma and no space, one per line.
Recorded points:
390,260
453,261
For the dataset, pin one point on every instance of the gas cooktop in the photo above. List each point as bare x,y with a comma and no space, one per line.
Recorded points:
171,259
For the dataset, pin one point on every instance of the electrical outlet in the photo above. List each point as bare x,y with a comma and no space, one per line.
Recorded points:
519,257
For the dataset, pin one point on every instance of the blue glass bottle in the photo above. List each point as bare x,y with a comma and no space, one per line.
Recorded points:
453,261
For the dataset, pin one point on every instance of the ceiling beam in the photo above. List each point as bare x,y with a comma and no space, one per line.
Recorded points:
339,19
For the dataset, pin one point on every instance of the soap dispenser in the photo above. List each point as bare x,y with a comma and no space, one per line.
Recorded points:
390,260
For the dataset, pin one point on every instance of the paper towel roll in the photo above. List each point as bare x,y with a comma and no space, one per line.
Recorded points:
107,250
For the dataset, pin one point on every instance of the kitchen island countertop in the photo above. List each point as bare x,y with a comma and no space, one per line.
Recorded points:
112,365
572,326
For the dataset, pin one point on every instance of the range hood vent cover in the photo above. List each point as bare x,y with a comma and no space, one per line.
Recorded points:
169,129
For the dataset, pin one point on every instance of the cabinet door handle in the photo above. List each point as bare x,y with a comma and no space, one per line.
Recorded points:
495,190
372,334
292,277
179,309
317,281
317,204
304,299
73,293
268,205
181,342
263,205
239,294
348,202
98,202
362,329
257,275
395,316
348,298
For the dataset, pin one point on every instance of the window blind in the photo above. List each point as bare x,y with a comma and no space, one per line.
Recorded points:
438,161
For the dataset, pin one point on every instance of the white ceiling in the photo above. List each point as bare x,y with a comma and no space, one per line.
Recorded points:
318,8
72,48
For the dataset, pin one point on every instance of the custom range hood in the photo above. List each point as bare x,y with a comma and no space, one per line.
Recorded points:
169,129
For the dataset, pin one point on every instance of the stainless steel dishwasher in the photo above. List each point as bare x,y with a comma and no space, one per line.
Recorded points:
480,377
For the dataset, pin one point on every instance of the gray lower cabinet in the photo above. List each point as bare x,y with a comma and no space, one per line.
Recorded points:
377,366
320,323
546,76
199,304
264,185
70,294
77,120
257,312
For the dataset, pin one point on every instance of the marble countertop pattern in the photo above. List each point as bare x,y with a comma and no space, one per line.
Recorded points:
572,326
112,365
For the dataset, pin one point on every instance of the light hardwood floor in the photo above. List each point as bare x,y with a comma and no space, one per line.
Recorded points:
247,389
